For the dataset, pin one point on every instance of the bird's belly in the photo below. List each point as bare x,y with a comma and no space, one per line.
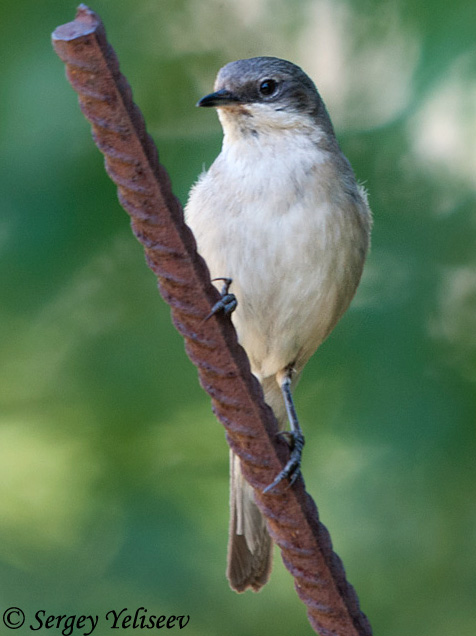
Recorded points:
283,326
289,283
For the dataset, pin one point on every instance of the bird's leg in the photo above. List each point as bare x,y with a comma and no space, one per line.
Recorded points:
295,436
227,303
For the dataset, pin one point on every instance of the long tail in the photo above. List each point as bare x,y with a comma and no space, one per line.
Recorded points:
249,544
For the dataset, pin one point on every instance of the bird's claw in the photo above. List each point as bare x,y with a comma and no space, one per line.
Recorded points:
227,303
292,470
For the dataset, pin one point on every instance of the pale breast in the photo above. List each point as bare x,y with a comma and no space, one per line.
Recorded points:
291,245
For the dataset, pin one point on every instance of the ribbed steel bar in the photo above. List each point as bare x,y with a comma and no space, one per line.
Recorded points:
145,192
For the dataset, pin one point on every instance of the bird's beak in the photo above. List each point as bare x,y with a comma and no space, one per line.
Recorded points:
220,98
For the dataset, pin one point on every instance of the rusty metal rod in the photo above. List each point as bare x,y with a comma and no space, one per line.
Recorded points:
157,221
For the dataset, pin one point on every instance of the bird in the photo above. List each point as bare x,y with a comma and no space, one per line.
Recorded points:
280,217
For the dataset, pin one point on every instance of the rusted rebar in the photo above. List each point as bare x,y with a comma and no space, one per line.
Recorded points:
157,221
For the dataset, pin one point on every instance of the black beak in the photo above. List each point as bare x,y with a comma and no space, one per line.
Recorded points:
220,98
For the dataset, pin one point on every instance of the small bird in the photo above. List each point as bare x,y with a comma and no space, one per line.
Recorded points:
280,217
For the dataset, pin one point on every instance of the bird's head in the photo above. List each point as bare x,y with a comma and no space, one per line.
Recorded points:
262,94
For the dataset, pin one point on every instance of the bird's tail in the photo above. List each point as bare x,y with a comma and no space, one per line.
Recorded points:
249,544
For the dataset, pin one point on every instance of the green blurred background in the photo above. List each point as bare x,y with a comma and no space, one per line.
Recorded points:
113,472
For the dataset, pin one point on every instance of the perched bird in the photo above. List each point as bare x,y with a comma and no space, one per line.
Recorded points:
280,214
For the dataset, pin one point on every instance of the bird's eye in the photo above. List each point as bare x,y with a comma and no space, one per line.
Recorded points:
267,87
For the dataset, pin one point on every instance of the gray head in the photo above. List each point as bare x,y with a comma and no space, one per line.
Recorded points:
270,90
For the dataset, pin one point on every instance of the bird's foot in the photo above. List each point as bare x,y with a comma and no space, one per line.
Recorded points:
292,470
227,303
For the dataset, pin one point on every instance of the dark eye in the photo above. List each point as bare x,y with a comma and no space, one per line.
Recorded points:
267,87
